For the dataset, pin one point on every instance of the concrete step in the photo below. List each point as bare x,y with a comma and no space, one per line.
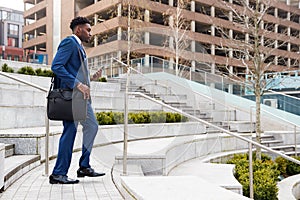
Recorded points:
285,148
9,150
270,143
16,166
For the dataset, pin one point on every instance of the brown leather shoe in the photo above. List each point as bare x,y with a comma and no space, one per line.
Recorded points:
61,179
82,172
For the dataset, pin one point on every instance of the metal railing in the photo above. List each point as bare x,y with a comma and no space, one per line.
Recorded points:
46,118
249,141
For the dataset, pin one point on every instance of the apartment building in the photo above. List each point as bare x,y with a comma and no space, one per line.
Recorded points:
11,24
47,22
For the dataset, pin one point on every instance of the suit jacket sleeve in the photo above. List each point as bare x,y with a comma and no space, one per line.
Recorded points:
60,61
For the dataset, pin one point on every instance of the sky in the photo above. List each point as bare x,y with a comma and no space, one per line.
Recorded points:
14,4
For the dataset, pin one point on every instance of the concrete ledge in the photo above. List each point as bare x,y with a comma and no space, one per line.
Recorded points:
175,188
289,188
160,156
31,141
219,174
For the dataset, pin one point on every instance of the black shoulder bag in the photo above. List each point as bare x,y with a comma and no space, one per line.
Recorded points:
66,104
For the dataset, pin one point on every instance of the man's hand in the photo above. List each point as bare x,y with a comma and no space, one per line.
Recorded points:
97,75
84,89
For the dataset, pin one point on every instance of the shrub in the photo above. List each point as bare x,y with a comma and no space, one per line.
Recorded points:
109,118
103,118
27,70
292,168
286,167
265,175
6,68
170,118
282,164
45,72
158,117
118,118
102,79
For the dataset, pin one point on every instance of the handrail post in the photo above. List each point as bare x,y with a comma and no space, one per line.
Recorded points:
295,138
47,147
251,172
125,147
250,159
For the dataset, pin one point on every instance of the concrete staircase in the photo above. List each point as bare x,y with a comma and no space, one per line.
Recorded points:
16,166
205,110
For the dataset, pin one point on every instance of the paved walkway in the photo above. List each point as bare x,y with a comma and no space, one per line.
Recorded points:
35,185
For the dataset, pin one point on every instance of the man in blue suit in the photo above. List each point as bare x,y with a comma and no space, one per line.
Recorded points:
70,68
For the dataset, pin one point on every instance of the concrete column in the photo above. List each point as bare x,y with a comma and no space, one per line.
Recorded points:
147,37
95,23
171,2
20,28
276,31
119,33
147,34
171,42
213,47
193,29
247,56
289,34
119,10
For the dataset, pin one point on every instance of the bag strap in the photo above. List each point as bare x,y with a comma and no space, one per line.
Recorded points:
51,85
82,62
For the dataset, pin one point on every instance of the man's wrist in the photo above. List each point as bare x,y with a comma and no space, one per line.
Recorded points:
79,85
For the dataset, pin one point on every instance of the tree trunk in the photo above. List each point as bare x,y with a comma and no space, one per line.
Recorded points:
258,120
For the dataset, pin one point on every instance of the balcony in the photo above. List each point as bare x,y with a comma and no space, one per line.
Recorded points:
35,41
39,8
37,24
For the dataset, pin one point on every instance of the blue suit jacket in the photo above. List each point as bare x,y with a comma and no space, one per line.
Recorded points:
67,65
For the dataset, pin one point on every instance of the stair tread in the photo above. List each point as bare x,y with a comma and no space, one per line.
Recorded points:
271,141
283,146
13,162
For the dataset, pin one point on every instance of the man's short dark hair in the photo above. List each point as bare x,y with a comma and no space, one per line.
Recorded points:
78,21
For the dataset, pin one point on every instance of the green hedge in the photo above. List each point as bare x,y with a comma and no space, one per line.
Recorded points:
286,167
110,118
27,70
38,72
6,68
265,176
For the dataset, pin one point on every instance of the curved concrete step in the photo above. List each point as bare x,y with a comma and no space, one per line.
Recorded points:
16,166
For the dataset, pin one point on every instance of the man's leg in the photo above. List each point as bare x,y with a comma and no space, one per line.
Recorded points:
65,148
90,129
64,155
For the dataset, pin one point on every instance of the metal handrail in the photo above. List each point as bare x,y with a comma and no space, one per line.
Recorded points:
46,117
217,127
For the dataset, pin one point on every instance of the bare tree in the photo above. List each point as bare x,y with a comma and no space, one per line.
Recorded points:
134,34
255,48
178,41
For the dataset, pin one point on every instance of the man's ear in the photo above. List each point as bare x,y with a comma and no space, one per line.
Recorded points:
76,30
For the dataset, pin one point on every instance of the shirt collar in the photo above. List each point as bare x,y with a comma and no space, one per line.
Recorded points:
77,39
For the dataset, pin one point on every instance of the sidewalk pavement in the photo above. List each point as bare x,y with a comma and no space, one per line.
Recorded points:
34,185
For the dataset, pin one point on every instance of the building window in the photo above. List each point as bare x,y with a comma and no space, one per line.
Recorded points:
3,15
12,42
16,58
13,29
